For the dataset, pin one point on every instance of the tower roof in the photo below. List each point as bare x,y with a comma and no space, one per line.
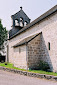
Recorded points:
21,14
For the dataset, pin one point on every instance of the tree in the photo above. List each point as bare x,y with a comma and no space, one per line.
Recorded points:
3,36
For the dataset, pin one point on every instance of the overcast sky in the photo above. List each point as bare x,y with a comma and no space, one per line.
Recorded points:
33,8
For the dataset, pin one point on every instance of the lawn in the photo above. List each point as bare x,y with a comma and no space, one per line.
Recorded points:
9,65
43,72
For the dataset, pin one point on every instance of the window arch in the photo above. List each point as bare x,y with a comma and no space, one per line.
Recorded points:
16,22
25,23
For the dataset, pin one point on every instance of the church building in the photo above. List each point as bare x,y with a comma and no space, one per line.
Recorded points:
32,42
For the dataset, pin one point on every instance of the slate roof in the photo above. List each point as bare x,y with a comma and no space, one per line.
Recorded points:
17,16
22,14
26,40
14,30
42,17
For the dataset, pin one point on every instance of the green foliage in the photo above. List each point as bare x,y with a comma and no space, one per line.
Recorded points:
43,66
43,72
3,35
10,66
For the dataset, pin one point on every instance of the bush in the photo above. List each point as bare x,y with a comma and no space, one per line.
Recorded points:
43,66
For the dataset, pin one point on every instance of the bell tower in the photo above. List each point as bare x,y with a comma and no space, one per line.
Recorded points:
20,19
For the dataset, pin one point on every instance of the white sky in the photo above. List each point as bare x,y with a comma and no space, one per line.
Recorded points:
33,8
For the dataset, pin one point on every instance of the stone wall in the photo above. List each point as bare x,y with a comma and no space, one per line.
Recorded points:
34,52
19,57
49,35
30,74
45,56
48,27
37,52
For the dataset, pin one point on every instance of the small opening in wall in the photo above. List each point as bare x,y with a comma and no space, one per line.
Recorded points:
49,45
16,23
25,23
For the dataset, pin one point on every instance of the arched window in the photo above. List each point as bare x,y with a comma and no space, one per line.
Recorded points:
25,23
21,22
16,23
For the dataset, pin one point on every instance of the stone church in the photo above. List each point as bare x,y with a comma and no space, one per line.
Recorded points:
32,42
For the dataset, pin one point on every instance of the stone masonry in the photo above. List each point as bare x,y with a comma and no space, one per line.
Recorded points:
37,52
37,49
34,52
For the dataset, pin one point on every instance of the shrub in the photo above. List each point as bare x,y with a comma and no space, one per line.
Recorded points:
43,66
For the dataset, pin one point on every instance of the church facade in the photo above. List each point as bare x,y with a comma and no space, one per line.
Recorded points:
32,42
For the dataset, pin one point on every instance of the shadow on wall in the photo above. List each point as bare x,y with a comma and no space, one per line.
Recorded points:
45,53
42,54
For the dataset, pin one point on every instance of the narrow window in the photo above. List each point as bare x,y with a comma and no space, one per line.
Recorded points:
49,45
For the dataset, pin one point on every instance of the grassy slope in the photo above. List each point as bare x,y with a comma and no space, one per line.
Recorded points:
44,72
9,65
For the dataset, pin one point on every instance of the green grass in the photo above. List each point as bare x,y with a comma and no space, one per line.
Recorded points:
10,66
43,72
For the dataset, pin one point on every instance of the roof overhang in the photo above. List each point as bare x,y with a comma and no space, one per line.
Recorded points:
26,40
